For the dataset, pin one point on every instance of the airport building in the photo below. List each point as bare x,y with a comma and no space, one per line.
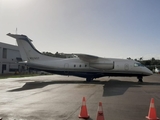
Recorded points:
9,58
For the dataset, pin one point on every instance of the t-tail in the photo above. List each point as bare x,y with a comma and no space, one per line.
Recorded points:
27,50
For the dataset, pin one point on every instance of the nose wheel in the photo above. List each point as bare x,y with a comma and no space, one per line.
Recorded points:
140,79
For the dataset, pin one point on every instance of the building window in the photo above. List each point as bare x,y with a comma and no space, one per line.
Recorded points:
4,52
4,67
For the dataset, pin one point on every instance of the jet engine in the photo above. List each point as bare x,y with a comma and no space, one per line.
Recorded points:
104,65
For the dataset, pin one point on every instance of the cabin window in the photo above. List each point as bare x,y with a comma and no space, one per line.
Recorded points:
85,65
4,52
138,65
74,65
79,65
135,65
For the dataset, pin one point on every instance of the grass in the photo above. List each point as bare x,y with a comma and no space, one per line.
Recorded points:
4,76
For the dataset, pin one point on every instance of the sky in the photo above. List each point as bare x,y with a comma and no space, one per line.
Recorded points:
105,28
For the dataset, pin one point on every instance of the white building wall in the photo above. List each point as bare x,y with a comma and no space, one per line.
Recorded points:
10,60
12,55
0,59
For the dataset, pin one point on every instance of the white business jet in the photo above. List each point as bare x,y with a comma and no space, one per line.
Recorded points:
86,66
156,70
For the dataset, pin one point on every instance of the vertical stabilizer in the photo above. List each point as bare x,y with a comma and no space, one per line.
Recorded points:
27,50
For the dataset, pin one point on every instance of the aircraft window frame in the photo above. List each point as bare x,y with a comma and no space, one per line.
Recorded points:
138,65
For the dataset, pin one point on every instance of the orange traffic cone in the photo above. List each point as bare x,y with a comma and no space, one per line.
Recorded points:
83,113
100,115
152,111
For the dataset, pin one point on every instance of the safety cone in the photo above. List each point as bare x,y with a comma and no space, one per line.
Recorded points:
152,111
83,113
100,115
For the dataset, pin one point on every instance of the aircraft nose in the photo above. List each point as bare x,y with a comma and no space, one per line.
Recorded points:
149,72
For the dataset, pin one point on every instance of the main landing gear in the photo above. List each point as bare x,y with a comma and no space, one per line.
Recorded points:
89,79
140,79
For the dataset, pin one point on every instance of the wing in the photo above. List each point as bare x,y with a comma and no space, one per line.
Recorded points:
88,58
97,62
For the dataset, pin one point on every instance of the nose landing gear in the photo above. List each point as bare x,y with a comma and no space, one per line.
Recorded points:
140,79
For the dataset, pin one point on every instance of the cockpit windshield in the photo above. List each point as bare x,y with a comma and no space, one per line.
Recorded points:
138,65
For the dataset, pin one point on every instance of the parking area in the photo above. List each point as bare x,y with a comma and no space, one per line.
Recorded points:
54,97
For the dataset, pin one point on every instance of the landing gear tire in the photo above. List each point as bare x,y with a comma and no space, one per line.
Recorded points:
140,79
89,79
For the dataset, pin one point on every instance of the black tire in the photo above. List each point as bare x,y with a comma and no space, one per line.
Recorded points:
89,79
140,79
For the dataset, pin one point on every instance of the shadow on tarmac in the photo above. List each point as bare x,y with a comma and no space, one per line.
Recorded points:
111,88
37,84
117,87
90,119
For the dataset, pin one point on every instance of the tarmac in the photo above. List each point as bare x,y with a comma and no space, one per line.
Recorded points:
54,97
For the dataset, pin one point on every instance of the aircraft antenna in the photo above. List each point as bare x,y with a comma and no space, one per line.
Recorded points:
16,33
16,30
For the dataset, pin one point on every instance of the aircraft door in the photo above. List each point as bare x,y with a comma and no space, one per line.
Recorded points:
126,67
66,66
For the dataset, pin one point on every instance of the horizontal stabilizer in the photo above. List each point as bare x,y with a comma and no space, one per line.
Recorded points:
16,36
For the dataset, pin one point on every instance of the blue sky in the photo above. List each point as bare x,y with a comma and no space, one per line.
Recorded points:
106,28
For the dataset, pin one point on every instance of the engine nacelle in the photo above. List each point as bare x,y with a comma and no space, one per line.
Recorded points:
103,65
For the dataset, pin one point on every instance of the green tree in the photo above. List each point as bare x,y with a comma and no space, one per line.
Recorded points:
141,58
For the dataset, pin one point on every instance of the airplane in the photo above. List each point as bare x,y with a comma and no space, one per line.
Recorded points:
84,65
156,70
